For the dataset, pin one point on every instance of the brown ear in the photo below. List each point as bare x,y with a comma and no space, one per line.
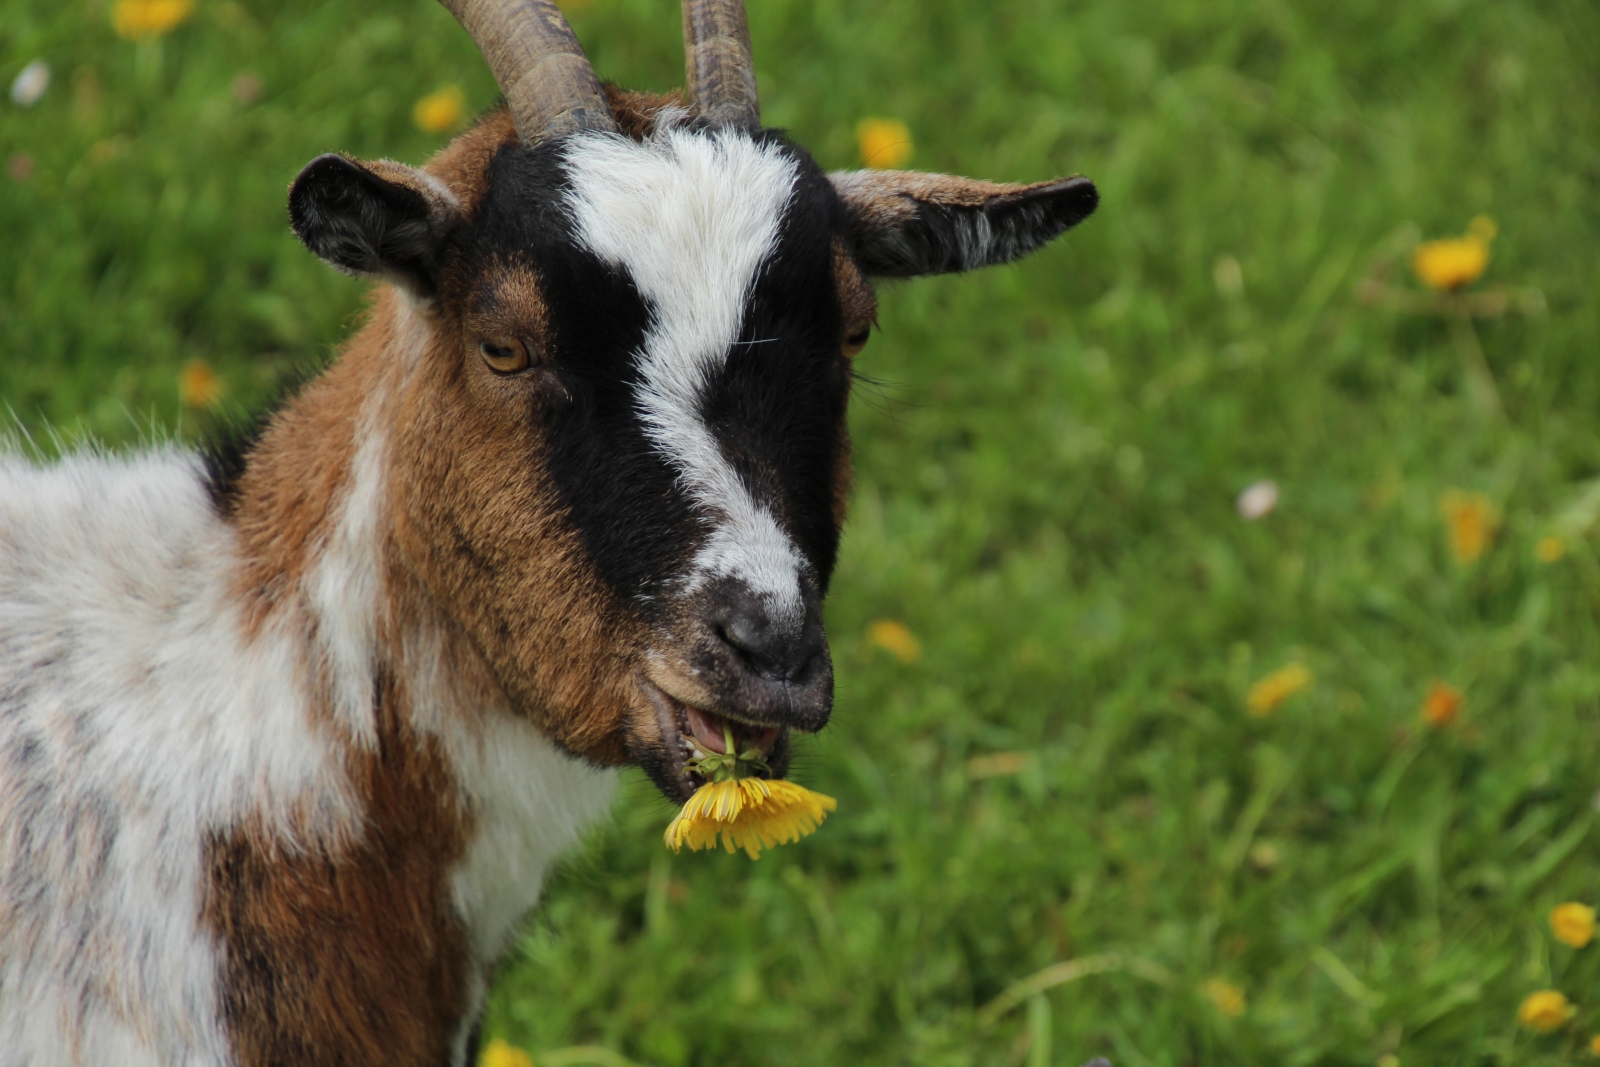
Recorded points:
905,223
376,220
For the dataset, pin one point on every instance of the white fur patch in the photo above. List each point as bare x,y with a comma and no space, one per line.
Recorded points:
135,720
345,585
529,802
691,217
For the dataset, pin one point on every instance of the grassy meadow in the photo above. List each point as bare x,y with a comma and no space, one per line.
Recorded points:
1062,765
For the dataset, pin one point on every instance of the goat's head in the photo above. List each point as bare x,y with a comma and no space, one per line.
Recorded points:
623,461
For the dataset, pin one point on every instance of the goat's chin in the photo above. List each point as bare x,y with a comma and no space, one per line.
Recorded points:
666,732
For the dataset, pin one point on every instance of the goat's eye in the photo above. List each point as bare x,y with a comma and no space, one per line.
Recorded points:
855,339
505,355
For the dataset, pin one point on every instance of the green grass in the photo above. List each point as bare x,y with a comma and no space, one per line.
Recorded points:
1047,467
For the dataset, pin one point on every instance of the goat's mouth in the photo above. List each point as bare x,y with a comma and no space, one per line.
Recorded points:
686,728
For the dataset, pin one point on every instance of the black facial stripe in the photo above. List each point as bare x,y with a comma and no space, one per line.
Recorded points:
777,408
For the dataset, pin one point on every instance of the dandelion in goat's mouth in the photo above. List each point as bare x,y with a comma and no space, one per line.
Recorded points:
746,811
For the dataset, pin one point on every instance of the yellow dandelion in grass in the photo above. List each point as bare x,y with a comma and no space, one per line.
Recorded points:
1225,996
1594,1045
1283,683
441,111
135,20
1572,923
1546,1011
884,143
1455,261
748,813
498,1053
198,385
1550,549
1471,521
895,639
1442,704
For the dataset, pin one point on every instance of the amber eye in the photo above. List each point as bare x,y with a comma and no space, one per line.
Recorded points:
505,355
855,340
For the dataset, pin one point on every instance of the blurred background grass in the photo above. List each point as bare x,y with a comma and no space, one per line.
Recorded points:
1048,461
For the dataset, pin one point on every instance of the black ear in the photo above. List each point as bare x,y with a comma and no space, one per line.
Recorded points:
905,223
376,220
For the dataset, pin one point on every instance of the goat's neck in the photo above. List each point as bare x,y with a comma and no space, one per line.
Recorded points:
316,532
388,669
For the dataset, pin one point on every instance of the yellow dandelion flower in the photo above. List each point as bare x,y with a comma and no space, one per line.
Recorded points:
1545,1011
748,813
498,1053
198,385
137,19
1441,704
1283,683
1594,1045
1453,262
1472,521
1572,923
1550,549
1225,996
441,111
884,143
895,639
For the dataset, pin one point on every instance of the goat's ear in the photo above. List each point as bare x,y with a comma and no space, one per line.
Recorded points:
905,223
375,220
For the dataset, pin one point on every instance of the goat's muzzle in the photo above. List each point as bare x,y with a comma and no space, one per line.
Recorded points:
732,666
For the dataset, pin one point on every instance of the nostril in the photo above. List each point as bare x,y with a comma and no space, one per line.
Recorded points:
751,645
774,653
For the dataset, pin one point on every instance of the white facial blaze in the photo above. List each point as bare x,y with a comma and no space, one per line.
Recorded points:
691,217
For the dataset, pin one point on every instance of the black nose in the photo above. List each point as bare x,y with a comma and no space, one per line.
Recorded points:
778,651
772,664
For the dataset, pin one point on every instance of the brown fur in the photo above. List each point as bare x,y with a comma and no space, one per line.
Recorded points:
636,112
856,298
298,472
354,958
859,305
891,196
491,540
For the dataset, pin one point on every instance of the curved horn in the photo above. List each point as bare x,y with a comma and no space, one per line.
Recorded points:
538,64
721,72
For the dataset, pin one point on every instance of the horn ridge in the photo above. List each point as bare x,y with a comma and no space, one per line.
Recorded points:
538,64
718,63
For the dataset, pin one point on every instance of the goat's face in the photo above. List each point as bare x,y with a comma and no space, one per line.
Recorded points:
622,461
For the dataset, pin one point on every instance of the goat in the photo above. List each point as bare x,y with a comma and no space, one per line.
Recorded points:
291,731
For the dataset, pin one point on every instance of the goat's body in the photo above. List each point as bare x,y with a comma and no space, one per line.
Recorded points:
148,725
